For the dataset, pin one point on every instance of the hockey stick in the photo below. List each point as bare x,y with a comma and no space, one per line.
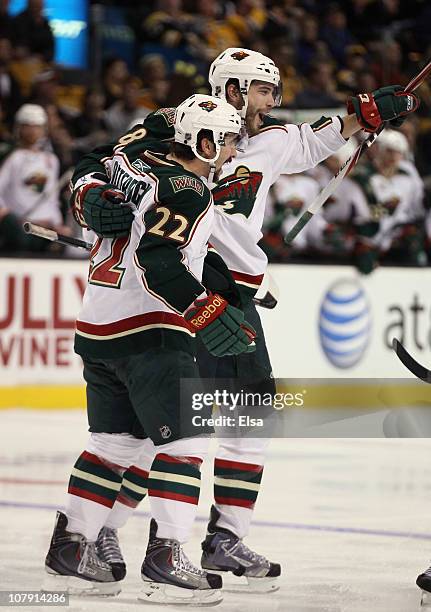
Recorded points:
48,234
270,299
267,301
411,364
347,166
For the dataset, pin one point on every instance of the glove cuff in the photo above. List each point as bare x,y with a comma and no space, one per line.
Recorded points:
77,200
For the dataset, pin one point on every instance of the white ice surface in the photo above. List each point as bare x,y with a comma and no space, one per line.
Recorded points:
350,520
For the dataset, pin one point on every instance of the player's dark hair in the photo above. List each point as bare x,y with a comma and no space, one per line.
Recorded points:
184,151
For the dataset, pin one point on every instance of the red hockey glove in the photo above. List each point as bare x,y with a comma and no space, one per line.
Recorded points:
220,326
389,103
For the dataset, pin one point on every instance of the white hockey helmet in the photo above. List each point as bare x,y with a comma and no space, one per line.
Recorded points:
31,114
201,112
392,139
246,66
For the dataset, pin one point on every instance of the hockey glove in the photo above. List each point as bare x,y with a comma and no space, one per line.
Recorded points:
221,327
389,103
98,206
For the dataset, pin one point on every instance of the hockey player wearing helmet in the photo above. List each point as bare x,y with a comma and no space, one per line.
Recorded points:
250,82
143,304
28,184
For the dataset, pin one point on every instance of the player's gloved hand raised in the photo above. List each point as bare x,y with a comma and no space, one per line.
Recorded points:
99,207
221,327
389,103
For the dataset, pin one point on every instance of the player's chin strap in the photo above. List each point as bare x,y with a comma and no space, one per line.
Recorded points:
211,161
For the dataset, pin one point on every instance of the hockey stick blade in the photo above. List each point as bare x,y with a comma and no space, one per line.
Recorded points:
267,301
411,364
321,197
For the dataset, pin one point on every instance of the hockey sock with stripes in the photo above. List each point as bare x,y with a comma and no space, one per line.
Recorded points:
95,481
238,470
93,488
174,487
134,487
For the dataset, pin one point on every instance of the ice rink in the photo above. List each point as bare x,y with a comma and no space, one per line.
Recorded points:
349,519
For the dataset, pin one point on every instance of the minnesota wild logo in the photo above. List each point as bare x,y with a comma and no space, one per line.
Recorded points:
239,55
36,182
236,193
208,105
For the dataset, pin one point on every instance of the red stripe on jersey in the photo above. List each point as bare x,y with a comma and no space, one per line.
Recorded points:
237,465
247,278
150,318
234,501
170,459
103,501
188,499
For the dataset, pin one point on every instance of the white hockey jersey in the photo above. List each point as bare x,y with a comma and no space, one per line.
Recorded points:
139,286
241,194
28,185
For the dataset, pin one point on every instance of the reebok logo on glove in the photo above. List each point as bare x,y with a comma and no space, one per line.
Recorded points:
209,312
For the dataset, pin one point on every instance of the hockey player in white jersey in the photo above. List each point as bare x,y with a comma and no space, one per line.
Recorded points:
142,307
28,183
250,82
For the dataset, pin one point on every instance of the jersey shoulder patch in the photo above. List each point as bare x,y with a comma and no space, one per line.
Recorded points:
168,114
185,181
160,124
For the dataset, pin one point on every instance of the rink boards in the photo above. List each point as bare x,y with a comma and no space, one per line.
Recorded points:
330,323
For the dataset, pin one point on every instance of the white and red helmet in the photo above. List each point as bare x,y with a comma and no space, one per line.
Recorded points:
201,112
246,66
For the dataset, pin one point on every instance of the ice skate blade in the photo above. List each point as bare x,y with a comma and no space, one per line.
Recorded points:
79,586
247,584
426,599
162,593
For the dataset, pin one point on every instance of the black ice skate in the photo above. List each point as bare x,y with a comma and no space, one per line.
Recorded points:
108,550
171,578
424,582
223,551
74,566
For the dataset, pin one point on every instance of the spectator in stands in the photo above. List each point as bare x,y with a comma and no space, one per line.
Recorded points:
213,33
388,64
29,184
126,111
10,92
336,34
89,128
32,32
115,74
309,47
154,77
44,88
321,90
355,65
167,25
248,20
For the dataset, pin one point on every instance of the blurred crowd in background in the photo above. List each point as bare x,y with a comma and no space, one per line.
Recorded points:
325,51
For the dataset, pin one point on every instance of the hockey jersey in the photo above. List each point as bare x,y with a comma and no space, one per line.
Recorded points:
241,193
28,185
139,286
